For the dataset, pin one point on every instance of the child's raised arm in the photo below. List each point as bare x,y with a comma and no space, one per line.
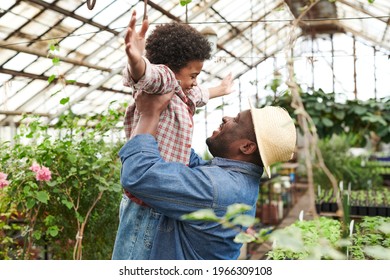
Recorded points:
224,88
135,47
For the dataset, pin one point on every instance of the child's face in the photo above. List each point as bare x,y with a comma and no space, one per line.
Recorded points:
188,74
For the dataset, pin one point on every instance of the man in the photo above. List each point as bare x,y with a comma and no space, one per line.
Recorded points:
241,147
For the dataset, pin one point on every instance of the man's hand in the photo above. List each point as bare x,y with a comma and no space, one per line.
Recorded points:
152,104
150,107
135,46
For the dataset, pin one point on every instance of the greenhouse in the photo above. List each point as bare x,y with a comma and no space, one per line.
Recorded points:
95,125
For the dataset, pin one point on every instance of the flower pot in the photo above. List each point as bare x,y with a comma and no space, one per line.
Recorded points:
354,210
371,211
325,207
333,207
362,210
269,214
318,208
381,211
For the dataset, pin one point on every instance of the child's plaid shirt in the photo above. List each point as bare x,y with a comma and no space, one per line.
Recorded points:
174,133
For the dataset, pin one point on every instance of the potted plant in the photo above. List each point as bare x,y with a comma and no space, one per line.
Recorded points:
380,204
319,198
354,203
371,204
362,201
326,202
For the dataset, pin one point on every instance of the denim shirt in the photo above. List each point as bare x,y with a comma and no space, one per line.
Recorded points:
174,189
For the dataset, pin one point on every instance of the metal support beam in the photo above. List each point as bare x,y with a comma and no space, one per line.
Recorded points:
45,54
365,37
67,13
20,113
45,78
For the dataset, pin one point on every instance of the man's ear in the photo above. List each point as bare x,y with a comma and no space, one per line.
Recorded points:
248,147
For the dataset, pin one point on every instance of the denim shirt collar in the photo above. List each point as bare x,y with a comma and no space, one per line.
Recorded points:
237,165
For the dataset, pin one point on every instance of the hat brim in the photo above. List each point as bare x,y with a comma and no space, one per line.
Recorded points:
275,135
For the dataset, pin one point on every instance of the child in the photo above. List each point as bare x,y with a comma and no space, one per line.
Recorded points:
174,58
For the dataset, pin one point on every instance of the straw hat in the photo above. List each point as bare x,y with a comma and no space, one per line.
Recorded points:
275,135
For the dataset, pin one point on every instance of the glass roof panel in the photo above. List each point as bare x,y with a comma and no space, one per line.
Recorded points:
253,37
20,61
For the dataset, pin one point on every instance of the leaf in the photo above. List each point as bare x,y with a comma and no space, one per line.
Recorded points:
67,203
55,93
51,78
51,183
30,135
42,196
359,110
79,217
377,252
289,239
374,118
235,209
244,220
53,231
55,61
30,203
185,2
385,228
243,237
201,215
340,115
319,106
327,122
64,100
37,234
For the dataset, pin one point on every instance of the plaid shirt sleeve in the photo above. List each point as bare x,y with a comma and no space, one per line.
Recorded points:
201,96
158,79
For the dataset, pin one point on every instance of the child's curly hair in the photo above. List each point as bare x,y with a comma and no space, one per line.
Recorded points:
175,45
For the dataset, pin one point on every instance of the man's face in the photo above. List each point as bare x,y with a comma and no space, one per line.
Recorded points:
225,137
187,75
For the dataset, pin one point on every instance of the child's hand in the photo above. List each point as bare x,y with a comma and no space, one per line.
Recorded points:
225,88
227,85
135,42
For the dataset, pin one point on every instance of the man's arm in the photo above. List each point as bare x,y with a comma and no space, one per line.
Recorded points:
171,188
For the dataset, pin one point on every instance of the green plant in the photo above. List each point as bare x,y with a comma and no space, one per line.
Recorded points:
371,240
81,198
315,239
343,166
322,238
358,118
185,2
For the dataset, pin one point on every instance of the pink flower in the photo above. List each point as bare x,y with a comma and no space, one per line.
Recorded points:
3,181
35,167
44,174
